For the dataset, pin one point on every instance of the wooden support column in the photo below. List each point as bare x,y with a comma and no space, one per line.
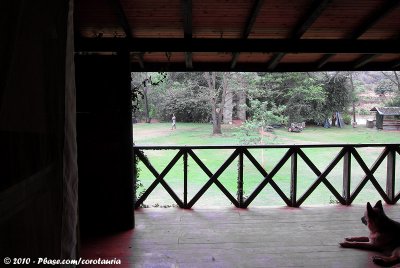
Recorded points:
127,143
347,176
105,146
293,179
391,175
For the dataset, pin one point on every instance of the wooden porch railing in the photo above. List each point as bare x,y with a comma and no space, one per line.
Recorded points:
348,152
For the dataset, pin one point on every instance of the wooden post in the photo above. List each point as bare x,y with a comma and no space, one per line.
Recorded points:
293,179
391,175
347,176
185,177
262,143
127,134
240,179
135,163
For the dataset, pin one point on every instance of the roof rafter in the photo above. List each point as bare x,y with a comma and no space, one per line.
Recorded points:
123,21
248,26
305,22
364,60
396,64
367,58
187,28
370,21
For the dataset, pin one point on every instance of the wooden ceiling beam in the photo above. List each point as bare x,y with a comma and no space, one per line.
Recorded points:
325,46
187,19
251,19
368,58
395,64
324,60
302,26
309,18
123,21
276,58
187,29
370,21
364,60
235,57
188,60
261,67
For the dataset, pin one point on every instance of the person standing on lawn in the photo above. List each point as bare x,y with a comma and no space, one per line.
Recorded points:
173,122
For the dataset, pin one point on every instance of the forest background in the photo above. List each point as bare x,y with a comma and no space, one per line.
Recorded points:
262,99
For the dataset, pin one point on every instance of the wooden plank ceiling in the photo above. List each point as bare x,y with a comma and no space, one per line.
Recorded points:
243,35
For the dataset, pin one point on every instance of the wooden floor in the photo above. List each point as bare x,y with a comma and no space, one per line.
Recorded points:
229,237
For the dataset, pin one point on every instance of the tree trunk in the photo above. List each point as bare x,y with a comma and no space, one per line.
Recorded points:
223,97
146,106
241,106
217,118
216,112
353,99
228,106
333,120
397,81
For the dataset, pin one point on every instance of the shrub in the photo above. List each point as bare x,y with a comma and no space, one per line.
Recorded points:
347,119
364,111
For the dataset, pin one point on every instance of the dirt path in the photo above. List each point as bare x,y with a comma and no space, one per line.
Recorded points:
140,133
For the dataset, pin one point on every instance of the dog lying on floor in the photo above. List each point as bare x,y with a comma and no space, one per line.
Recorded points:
384,236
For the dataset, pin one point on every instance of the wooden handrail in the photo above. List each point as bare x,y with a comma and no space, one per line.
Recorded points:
194,147
294,152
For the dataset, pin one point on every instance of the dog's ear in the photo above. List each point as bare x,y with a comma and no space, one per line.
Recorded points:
378,205
370,210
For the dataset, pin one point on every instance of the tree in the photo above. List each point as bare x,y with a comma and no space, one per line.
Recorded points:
355,88
337,88
393,78
392,81
302,95
265,113
306,102
186,99
217,88
190,95
384,87
143,84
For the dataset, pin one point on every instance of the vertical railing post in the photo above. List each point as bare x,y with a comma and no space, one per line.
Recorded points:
391,174
347,176
185,177
293,179
240,179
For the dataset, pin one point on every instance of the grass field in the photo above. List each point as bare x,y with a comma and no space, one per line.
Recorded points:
200,134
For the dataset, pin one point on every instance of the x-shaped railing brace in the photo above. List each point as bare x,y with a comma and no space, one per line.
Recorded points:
369,175
268,177
159,179
213,178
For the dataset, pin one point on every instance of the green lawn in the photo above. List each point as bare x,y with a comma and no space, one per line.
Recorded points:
200,134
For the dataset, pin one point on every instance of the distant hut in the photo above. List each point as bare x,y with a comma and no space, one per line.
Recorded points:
387,118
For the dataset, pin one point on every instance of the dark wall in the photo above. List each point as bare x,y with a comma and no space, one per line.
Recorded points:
104,132
38,193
